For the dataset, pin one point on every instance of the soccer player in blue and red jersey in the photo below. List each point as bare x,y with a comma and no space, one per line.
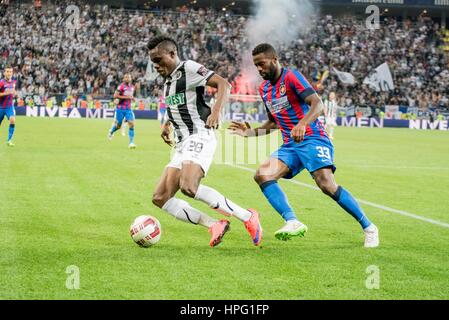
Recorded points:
293,106
125,95
7,93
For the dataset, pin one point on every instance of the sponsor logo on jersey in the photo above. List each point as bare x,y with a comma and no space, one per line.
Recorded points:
129,92
282,89
177,76
279,104
175,99
202,71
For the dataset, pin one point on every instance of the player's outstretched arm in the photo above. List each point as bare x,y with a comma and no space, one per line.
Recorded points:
245,130
316,108
224,89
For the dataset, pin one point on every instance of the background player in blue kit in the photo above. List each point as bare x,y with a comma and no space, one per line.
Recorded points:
7,94
125,95
293,106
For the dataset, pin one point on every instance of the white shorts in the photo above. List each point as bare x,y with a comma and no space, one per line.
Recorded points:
330,121
198,148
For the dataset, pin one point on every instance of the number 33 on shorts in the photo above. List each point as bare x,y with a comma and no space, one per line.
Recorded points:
324,153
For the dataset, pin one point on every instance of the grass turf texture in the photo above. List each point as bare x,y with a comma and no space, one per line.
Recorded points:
68,197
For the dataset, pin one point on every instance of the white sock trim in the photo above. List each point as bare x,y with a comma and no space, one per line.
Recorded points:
220,203
181,210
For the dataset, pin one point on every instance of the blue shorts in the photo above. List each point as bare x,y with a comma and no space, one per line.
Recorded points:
121,114
161,115
311,154
8,112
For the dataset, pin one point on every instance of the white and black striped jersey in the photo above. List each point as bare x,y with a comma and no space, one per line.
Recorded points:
184,98
332,108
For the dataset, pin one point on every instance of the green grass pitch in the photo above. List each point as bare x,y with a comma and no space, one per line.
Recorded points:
68,197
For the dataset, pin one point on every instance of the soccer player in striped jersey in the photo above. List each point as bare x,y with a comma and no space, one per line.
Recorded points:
125,95
7,94
293,106
195,142
330,114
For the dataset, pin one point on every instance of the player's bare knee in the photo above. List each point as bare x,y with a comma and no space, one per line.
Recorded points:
258,177
328,187
189,190
261,178
159,199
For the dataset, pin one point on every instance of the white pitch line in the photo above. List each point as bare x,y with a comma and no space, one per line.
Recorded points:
396,167
368,203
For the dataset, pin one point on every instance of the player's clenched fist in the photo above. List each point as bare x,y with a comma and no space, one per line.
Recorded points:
213,121
166,135
298,131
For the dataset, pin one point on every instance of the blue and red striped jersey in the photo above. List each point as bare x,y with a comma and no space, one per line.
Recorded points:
285,103
125,90
7,101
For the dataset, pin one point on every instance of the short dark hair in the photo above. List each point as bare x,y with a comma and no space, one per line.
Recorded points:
264,48
8,66
153,43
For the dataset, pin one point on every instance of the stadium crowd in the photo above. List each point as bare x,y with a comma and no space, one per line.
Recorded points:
51,57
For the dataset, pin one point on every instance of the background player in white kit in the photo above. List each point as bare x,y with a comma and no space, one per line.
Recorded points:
330,114
194,123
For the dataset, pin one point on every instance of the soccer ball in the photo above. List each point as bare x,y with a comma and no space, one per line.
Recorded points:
145,231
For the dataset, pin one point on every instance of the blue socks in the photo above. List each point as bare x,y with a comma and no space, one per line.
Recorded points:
130,132
347,202
278,200
11,131
131,135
